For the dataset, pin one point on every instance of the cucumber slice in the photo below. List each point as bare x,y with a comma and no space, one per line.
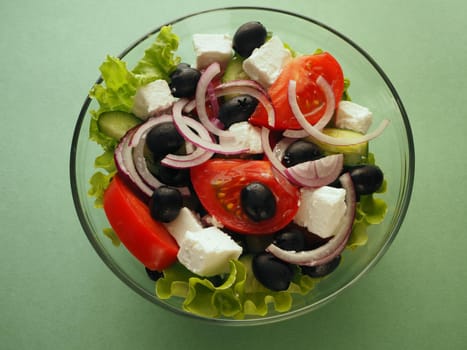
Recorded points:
115,124
234,70
353,154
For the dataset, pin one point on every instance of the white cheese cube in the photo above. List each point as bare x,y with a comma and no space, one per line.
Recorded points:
152,99
207,252
266,62
245,135
354,117
211,48
185,221
321,210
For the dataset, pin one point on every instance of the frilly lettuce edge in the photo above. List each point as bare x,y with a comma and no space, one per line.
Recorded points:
238,296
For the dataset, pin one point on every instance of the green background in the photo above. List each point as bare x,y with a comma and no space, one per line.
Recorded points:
55,293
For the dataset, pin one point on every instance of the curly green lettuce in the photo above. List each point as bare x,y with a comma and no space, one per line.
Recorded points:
238,296
116,93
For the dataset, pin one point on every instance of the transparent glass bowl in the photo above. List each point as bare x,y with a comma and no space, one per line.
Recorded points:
369,87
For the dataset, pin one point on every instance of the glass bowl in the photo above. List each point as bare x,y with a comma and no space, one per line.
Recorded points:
369,87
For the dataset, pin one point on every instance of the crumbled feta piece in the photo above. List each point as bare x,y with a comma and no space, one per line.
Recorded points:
153,98
353,117
211,48
265,62
321,210
185,221
245,135
207,252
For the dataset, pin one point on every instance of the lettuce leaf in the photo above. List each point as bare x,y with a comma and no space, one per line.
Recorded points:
116,93
238,296
119,84
159,59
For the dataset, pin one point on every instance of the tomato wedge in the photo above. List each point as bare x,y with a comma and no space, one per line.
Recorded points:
218,183
304,70
148,240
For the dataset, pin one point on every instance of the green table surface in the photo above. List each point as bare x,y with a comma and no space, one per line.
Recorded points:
55,292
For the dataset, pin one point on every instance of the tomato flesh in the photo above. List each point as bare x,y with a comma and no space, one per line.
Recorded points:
305,70
218,183
148,240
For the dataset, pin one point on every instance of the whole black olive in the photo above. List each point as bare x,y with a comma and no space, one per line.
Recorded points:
271,272
183,80
258,201
367,179
165,203
237,109
164,139
290,240
301,151
323,269
248,37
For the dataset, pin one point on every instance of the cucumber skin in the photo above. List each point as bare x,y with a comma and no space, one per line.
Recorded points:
353,155
115,124
234,70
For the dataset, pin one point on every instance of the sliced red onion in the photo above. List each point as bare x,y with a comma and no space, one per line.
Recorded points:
130,160
275,161
316,173
198,141
243,83
201,91
281,146
123,157
317,134
334,246
198,156
330,103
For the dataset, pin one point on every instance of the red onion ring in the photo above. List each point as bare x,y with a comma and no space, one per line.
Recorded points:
316,173
334,246
188,134
201,91
198,156
125,164
317,134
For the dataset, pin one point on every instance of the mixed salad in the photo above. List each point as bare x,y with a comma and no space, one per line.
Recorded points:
237,180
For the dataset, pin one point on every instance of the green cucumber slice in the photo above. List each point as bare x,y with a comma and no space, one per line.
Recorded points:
115,124
234,70
353,154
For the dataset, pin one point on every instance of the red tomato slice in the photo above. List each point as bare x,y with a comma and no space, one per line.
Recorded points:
148,240
304,70
218,183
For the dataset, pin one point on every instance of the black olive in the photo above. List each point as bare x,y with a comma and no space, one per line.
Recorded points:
322,270
183,80
271,272
171,176
248,37
237,109
301,151
258,201
290,240
153,274
367,179
165,203
164,139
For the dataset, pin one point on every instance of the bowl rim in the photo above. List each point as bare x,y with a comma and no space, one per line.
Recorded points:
404,200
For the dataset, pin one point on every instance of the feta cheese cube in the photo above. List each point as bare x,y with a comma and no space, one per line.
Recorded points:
353,117
207,252
153,98
211,48
265,62
321,210
185,221
244,135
